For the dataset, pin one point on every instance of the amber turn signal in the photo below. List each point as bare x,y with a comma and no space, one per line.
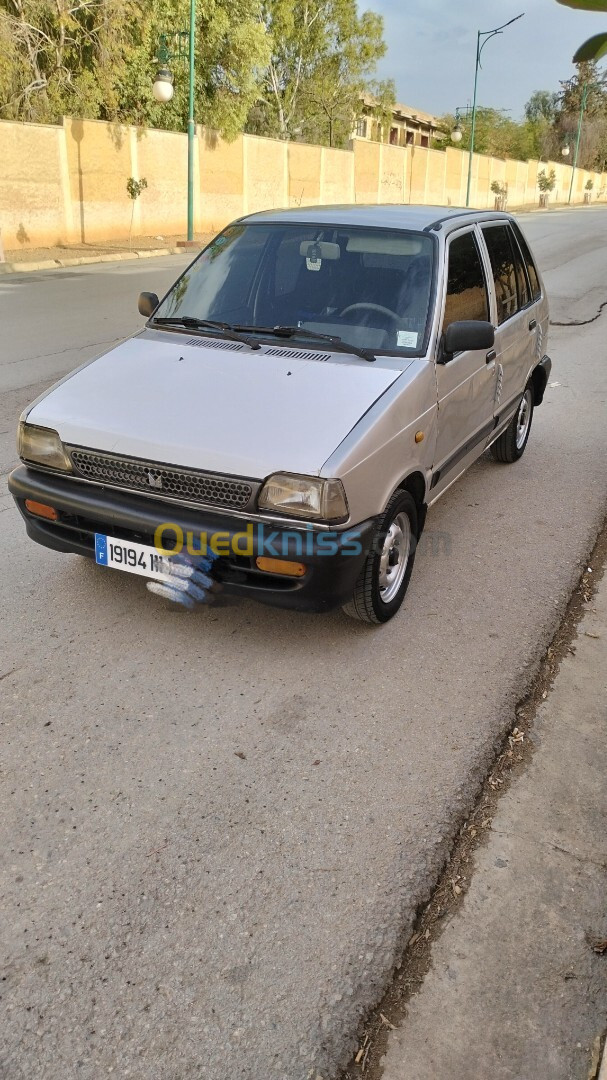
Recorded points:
280,566
41,510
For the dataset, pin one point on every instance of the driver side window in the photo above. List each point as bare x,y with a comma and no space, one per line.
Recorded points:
467,296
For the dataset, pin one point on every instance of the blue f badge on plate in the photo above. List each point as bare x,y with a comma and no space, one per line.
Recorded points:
101,549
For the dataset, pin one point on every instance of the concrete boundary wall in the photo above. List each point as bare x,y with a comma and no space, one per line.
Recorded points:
67,183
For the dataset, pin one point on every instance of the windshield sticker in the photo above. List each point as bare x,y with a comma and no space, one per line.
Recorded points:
407,339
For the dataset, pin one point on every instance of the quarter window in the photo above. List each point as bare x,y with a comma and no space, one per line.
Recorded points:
501,255
466,286
532,273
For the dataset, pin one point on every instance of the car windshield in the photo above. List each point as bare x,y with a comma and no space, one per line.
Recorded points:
370,287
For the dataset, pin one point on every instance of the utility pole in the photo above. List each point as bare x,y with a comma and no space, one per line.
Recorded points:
585,90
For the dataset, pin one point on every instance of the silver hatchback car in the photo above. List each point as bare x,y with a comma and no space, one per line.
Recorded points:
310,385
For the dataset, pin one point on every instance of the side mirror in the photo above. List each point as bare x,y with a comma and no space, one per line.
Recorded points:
467,336
147,303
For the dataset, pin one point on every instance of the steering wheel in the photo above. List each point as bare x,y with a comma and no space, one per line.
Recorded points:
364,306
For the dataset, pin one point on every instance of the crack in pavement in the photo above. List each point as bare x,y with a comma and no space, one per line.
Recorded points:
582,322
537,842
61,352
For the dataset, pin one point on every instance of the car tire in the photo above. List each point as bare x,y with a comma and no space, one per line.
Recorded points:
384,577
510,446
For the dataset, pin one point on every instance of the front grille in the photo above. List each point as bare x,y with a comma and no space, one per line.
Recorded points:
162,480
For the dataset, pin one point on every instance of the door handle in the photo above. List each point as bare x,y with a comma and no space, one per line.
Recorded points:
491,356
533,324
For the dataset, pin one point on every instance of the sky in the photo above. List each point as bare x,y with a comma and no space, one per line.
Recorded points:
432,47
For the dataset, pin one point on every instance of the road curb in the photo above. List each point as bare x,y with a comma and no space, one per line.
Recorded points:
603,1068
86,260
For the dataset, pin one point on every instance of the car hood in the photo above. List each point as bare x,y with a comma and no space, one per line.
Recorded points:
248,413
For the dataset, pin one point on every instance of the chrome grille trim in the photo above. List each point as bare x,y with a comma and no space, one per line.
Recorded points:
162,481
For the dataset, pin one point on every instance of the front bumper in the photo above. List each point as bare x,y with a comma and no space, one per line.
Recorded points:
333,560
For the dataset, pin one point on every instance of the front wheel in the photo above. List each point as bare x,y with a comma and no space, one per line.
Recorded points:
512,442
383,580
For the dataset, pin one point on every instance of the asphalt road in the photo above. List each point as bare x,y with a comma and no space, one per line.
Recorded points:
174,910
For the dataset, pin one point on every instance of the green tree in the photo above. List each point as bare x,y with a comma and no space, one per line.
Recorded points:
570,97
231,50
593,142
496,134
95,59
57,56
542,107
323,55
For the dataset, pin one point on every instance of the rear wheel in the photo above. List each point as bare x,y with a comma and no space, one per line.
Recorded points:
383,580
512,442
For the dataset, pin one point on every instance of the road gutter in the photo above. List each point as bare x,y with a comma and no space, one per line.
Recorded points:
26,267
511,762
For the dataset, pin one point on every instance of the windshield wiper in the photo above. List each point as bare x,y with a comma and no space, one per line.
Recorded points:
228,331
293,331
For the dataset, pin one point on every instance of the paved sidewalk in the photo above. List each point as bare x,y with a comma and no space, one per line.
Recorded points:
29,260
516,990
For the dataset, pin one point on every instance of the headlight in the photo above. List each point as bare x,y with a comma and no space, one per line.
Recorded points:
304,497
42,446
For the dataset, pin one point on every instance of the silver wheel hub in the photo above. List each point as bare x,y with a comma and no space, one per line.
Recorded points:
523,420
394,557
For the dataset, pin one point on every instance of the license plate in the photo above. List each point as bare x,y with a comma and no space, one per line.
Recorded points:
126,555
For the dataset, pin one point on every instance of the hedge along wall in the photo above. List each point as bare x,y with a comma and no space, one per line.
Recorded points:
67,183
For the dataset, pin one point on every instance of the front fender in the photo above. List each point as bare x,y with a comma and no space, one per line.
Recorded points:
381,450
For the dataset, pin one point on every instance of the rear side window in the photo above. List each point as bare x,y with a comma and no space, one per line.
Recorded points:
497,238
466,285
522,285
532,273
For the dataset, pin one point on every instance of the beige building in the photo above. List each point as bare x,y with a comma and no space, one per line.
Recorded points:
408,127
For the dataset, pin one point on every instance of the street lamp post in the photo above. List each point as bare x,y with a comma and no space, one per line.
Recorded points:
487,35
456,134
191,124
585,90
163,92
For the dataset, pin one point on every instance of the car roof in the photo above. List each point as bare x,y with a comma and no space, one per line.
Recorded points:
386,215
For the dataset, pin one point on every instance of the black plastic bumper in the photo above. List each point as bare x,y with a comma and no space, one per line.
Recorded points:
332,559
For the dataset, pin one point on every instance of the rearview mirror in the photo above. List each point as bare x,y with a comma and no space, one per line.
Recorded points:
147,303
467,336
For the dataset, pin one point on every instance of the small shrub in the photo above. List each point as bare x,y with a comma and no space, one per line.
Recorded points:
546,181
501,194
134,189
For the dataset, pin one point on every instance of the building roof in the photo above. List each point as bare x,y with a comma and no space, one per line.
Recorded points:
405,112
409,113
